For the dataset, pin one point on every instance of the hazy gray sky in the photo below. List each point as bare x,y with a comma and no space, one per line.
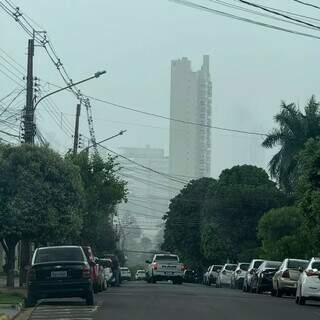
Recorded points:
252,68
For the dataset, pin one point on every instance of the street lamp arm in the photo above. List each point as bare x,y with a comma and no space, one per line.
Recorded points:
96,75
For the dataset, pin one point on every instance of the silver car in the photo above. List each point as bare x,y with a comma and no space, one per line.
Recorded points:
254,265
286,278
238,275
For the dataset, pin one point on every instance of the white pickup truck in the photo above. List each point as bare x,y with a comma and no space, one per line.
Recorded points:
164,266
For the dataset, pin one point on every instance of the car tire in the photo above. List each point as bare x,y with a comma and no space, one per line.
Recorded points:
90,298
30,301
153,280
273,292
302,301
297,300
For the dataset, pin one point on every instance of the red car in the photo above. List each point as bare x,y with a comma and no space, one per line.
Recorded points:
94,269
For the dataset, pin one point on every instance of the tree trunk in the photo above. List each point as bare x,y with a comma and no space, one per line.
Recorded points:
10,264
25,260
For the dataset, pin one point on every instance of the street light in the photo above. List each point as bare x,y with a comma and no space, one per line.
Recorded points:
104,140
96,75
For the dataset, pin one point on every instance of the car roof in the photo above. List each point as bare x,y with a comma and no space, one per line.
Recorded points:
55,247
166,254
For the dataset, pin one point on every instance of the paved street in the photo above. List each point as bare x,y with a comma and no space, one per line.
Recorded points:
140,301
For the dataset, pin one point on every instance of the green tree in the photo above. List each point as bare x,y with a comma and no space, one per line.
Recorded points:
41,199
103,191
232,212
308,188
183,222
295,128
283,234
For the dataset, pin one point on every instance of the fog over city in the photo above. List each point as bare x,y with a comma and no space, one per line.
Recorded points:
252,70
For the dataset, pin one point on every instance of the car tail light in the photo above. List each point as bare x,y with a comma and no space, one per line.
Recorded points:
183,268
311,273
155,266
86,272
285,274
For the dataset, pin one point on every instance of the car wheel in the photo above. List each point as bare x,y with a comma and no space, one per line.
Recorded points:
153,280
90,298
30,301
273,292
297,300
301,299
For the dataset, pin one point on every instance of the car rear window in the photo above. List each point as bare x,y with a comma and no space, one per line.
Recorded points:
316,265
124,269
244,266
296,264
59,254
231,267
141,271
257,264
272,264
106,263
167,258
216,268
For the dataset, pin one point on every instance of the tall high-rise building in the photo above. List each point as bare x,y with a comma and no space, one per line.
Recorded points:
191,99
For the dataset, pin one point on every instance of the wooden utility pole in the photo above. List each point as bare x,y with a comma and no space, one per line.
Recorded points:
76,130
29,133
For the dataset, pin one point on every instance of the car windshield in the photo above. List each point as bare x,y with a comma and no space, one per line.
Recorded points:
296,264
124,269
59,254
168,258
231,267
244,266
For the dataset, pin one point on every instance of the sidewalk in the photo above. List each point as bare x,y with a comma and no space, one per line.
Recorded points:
11,302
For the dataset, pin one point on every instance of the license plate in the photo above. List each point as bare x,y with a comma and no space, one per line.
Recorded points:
169,273
59,274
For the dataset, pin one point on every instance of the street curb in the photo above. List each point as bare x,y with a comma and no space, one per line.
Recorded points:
18,307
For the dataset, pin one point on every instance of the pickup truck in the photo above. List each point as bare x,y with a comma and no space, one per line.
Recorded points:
164,266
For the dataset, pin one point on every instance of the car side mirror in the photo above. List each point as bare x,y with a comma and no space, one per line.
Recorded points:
252,271
148,261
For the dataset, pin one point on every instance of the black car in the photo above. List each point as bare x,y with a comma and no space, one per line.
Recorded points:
262,277
59,272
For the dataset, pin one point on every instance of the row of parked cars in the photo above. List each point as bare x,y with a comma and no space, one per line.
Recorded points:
71,271
297,277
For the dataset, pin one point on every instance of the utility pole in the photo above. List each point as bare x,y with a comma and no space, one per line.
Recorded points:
29,126
29,133
76,130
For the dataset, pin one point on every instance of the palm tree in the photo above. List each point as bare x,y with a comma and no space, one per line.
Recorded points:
295,128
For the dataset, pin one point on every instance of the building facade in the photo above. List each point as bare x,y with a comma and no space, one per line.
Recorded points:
190,101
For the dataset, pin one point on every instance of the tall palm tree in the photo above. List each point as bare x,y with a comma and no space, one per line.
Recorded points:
295,128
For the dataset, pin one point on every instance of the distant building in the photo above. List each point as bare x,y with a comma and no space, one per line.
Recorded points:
191,99
149,192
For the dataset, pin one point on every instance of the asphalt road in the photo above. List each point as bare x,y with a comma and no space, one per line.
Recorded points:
142,301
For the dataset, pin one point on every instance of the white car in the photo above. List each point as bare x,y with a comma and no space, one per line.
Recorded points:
108,274
238,275
140,275
308,287
125,273
225,274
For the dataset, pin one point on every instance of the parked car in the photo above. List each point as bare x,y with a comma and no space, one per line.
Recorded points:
262,278
205,278
94,268
238,275
140,275
308,287
125,273
192,276
107,269
224,276
115,269
59,272
254,265
286,278
213,274
165,266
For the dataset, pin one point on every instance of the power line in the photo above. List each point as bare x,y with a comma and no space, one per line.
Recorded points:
143,166
175,119
279,14
307,4
239,18
264,15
